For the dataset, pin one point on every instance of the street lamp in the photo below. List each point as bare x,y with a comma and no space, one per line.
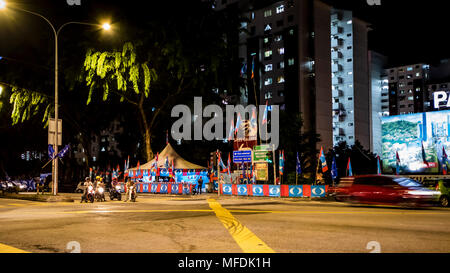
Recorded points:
56,32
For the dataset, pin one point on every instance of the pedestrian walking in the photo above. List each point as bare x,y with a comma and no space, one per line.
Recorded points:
200,184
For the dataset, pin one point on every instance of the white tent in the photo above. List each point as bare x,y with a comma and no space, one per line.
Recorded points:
170,153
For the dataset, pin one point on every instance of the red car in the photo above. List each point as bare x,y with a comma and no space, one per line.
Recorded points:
386,190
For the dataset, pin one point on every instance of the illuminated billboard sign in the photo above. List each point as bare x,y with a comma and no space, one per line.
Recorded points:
419,140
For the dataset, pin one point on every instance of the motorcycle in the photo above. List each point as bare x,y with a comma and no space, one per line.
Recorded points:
133,193
89,196
100,194
114,193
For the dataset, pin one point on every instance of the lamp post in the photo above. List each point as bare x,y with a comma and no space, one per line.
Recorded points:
56,32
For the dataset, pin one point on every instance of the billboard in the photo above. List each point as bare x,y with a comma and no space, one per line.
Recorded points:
418,139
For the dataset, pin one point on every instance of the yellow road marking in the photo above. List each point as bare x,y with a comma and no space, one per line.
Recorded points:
17,205
246,239
134,211
10,249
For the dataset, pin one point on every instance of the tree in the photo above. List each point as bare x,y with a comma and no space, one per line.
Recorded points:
171,58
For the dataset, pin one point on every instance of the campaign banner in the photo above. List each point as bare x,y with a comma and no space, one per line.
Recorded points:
257,190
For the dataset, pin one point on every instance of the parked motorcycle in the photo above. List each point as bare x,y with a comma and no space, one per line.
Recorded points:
89,196
100,194
114,193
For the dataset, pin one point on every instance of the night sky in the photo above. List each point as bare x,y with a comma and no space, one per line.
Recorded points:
406,31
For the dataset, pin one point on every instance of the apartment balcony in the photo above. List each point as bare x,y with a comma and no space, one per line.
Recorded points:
337,93
336,42
336,68
336,16
335,55
341,132
337,106
337,80
336,30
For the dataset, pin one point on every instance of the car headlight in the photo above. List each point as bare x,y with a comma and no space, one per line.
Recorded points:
10,184
22,186
118,188
100,190
427,193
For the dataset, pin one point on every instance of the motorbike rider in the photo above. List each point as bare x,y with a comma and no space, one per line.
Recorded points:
130,187
100,184
87,183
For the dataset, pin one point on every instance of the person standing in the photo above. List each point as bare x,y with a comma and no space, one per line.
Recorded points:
200,185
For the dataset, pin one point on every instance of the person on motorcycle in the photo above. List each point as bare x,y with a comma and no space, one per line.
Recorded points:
87,183
130,187
100,184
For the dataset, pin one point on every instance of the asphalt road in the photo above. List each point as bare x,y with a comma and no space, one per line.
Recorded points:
208,224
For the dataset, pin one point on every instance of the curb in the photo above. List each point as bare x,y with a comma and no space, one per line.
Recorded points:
37,198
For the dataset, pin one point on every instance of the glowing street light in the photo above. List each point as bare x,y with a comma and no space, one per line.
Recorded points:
106,26
1,90
56,32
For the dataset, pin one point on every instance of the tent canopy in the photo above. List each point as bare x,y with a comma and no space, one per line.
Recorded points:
169,152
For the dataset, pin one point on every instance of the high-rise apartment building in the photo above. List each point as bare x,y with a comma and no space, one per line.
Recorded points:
350,79
311,58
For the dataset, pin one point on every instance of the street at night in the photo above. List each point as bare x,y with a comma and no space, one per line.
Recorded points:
163,224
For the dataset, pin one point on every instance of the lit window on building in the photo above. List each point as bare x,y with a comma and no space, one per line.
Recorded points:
278,38
291,61
281,65
268,27
280,79
409,69
350,73
349,22
268,67
268,81
280,9
417,74
268,13
291,32
268,54
268,95
281,51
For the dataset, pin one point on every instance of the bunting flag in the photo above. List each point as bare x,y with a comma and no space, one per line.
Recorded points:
63,152
218,160
114,173
424,156
230,136
166,164
238,123
243,69
334,169
125,170
253,68
349,168
444,161
138,171
378,165
298,167
281,162
397,169
229,164
253,120
157,166
173,168
90,173
167,137
323,160
51,152
266,110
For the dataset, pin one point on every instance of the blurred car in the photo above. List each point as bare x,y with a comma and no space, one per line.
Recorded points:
385,190
443,187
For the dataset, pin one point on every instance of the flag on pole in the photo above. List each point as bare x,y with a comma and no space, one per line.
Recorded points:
397,169
218,160
334,170
299,166
166,164
230,136
349,167
266,110
138,171
243,69
253,68
378,165
424,156
444,161
167,137
229,164
323,160
238,123
64,151
281,162
173,168
51,152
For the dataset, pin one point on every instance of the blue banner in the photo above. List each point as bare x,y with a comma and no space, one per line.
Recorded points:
227,189
318,191
295,191
258,190
274,191
242,190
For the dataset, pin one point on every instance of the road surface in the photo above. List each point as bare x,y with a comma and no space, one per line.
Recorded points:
208,224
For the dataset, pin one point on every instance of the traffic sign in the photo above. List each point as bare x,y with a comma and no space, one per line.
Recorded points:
242,156
261,153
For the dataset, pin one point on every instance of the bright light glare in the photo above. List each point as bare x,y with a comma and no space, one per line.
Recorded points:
2,4
1,90
106,26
